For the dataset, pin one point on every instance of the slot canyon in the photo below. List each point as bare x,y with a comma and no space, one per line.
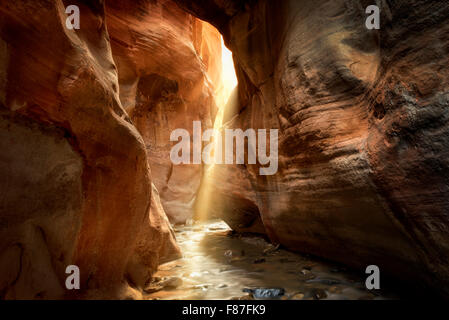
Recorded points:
86,179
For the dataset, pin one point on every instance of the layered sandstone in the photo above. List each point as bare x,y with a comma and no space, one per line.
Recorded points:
76,184
169,66
362,119
363,128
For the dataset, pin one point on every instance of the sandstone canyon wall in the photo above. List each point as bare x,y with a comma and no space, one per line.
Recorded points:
75,179
363,129
169,66
85,119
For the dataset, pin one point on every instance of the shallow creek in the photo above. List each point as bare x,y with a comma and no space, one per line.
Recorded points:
218,264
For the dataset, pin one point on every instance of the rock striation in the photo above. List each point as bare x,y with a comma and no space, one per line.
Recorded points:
169,67
363,128
76,183
86,117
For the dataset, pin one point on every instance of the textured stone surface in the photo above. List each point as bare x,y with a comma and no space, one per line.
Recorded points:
168,63
75,184
362,115
363,140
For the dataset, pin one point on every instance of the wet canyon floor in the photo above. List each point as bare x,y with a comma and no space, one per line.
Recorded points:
218,264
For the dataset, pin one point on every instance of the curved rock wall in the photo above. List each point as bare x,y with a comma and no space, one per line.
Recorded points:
362,119
169,66
76,185
363,138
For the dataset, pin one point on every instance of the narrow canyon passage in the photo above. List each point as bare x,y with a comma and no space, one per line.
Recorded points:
219,264
354,123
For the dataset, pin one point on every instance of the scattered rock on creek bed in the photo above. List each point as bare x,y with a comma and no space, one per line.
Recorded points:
266,293
216,266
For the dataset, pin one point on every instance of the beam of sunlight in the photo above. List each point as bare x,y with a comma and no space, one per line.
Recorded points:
228,76
228,84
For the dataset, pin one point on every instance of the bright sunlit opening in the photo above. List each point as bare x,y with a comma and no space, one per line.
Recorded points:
228,72
224,91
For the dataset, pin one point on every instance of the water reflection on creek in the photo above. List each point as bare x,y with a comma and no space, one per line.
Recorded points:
219,265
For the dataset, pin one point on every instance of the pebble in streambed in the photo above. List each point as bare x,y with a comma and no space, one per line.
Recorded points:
219,264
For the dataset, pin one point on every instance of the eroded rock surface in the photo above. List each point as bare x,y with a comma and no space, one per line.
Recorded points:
362,114
75,184
362,119
169,66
